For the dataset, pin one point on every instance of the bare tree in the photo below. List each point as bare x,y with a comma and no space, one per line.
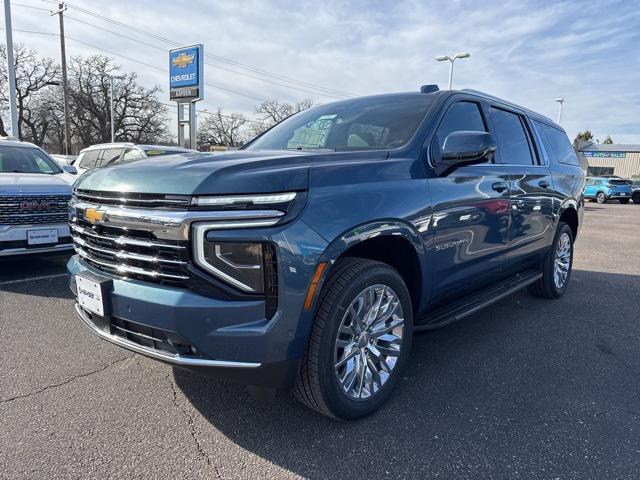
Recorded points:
222,129
33,74
274,111
138,114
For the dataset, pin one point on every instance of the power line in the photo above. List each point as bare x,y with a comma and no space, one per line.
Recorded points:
207,64
331,92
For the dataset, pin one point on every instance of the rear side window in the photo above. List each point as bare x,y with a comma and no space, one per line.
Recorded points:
131,154
557,144
89,159
110,156
512,138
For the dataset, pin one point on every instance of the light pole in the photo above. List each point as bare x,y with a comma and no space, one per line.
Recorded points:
11,73
560,103
447,58
111,79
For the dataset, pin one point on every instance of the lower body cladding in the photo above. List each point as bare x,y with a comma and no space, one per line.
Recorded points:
34,239
230,340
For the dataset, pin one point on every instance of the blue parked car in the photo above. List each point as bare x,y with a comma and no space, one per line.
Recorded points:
602,189
309,257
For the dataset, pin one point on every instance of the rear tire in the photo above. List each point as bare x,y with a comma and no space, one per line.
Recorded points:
636,198
624,201
556,266
351,367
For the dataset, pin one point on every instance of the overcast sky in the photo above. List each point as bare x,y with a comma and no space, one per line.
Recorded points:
529,52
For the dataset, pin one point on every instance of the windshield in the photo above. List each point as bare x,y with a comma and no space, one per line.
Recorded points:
359,124
26,160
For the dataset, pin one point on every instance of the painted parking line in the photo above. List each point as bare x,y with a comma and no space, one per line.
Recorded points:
31,279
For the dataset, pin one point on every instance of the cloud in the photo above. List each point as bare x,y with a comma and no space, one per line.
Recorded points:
527,51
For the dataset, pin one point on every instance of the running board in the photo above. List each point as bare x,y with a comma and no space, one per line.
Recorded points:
476,301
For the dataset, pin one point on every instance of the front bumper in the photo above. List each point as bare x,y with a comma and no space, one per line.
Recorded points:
229,339
13,239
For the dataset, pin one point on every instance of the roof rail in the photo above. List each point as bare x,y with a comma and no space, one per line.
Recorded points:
10,138
502,100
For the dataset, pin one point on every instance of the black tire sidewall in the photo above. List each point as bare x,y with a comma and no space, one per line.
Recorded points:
339,404
599,196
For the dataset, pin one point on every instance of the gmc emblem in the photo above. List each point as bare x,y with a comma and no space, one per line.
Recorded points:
35,205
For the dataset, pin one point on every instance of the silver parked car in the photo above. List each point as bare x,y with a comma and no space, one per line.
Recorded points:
104,154
34,193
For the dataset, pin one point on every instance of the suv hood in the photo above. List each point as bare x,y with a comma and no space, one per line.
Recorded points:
241,171
11,183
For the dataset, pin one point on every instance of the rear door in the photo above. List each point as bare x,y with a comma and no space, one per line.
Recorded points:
470,212
531,186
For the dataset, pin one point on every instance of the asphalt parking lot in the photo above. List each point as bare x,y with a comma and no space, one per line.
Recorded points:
527,388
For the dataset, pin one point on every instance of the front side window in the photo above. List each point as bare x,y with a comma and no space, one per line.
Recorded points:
461,116
26,160
513,142
359,124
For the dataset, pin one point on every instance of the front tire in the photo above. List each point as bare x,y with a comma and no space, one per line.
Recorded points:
556,266
360,340
601,198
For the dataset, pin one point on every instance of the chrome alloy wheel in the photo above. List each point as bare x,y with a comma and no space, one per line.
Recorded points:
562,260
368,343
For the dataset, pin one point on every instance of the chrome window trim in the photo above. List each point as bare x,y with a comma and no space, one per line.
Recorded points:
200,230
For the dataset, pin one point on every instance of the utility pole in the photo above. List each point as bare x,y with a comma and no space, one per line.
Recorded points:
65,86
111,93
11,73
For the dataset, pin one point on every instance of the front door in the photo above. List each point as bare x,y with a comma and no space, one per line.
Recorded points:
470,214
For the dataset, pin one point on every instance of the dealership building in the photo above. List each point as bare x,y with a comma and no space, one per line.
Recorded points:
611,159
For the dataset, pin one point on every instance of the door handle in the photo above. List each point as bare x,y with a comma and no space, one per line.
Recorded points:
499,186
543,183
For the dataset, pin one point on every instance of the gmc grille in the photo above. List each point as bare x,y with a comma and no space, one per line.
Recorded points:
33,209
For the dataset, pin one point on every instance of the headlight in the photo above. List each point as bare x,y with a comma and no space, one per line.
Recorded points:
275,200
238,263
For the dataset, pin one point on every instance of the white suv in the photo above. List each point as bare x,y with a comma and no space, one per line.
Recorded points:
104,154
34,193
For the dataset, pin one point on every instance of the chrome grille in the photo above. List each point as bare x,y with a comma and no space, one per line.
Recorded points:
131,253
33,209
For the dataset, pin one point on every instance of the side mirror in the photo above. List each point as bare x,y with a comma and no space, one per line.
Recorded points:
70,169
464,148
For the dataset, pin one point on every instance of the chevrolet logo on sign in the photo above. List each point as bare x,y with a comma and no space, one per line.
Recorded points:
183,60
93,216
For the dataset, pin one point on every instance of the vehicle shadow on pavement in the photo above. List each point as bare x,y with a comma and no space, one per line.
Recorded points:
527,385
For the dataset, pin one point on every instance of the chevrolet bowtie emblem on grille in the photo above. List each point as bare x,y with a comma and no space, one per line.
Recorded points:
93,216
183,60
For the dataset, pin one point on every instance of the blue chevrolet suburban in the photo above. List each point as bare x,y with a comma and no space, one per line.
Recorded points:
308,258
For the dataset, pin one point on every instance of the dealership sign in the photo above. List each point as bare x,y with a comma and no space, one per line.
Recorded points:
605,154
185,73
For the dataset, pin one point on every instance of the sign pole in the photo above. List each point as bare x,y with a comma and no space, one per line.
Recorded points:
192,126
